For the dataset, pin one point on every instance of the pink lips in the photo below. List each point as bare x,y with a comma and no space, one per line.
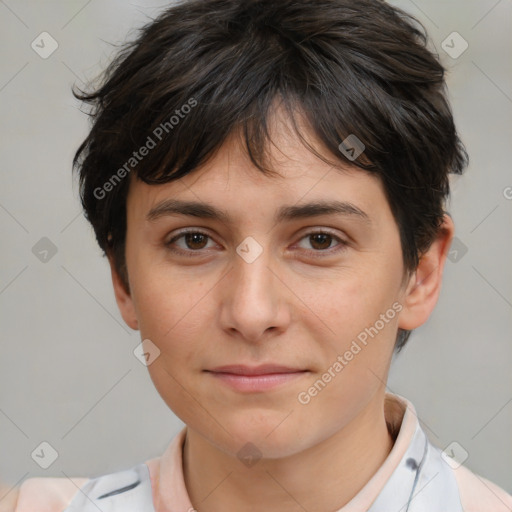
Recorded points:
255,378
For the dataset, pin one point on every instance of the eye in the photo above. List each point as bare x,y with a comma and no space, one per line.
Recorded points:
196,241
193,241
321,241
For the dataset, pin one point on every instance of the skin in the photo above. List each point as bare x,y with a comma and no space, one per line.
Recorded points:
287,307
8,498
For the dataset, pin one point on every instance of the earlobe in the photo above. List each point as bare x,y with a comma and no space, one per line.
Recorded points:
123,297
422,291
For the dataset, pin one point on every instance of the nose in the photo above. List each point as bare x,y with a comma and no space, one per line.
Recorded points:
253,303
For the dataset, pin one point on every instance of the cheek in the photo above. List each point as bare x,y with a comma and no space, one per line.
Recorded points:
162,293
356,314
356,355
349,301
172,315
171,308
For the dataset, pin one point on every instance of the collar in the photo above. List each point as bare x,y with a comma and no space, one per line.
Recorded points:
413,478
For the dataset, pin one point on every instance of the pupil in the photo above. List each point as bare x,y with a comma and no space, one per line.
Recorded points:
194,238
322,237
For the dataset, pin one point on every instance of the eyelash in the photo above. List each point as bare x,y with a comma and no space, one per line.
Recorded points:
315,253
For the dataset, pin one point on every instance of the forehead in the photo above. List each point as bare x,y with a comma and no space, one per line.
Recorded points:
231,181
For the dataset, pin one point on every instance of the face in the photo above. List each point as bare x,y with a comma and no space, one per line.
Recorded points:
260,315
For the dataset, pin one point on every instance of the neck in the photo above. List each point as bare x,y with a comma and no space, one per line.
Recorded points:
323,477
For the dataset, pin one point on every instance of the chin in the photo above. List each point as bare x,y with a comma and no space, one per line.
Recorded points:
270,434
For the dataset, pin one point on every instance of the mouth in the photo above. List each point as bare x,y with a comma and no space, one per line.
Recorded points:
256,379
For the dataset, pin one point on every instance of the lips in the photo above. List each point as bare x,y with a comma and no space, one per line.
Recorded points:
256,379
265,369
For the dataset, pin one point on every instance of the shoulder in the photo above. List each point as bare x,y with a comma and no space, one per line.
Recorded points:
127,490
478,494
46,494
8,497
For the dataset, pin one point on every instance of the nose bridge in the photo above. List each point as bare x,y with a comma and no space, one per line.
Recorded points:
252,279
251,302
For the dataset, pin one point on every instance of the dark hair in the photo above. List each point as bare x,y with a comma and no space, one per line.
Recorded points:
347,68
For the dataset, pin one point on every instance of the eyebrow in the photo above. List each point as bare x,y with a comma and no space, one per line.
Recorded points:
172,207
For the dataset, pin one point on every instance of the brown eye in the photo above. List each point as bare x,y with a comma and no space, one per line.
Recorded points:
321,243
190,242
195,240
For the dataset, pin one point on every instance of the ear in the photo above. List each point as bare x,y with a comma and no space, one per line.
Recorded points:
424,286
123,297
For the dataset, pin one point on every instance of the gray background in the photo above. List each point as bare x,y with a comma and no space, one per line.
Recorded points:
68,373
